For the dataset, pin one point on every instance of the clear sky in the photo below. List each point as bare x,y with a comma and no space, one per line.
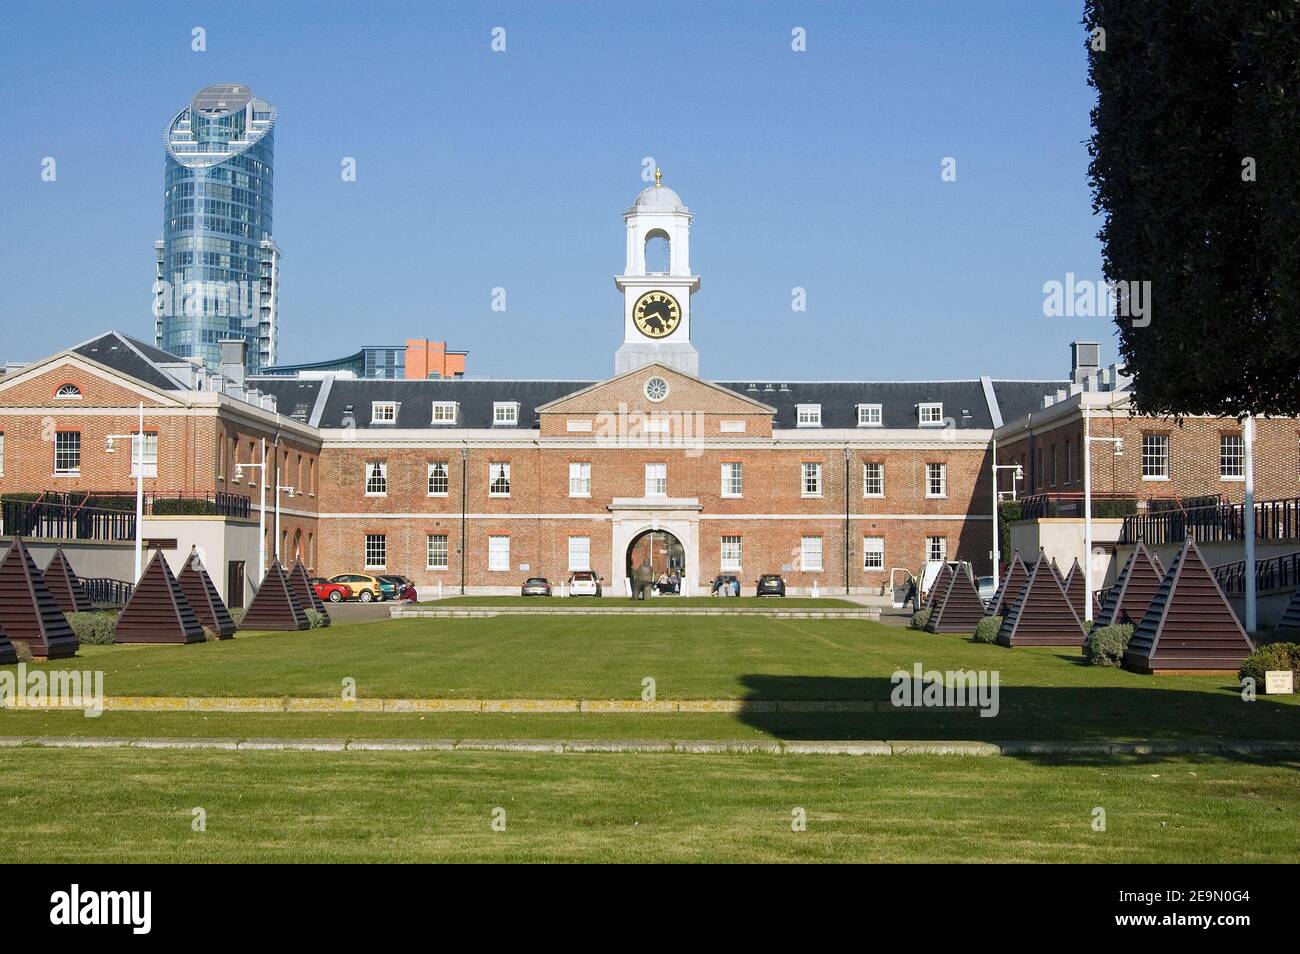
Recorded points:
478,169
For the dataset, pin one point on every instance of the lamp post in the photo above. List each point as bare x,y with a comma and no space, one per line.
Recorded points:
1018,473
279,489
261,510
138,447
1088,441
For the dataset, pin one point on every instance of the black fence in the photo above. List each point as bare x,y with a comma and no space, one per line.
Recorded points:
63,521
1038,506
1274,520
1279,574
106,592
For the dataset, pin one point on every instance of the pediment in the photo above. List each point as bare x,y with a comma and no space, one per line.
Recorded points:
628,392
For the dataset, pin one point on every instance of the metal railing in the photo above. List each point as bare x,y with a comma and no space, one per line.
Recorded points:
164,503
61,521
1274,520
1275,574
1070,504
106,592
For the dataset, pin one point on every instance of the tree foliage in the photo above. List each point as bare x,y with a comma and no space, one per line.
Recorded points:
1192,97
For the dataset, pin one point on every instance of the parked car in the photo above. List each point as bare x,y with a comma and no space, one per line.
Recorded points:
393,585
770,584
328,590
987,586
584,583
721,585
365,587
535,586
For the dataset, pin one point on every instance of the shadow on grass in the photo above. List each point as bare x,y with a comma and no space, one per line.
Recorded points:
1024,713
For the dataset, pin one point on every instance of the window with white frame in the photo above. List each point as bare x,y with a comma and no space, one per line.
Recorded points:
656,480
499,479
1051,456
873,479
808,415
936,480
439,481
579,479
68,392
936,549
505,413
438,551
499,554
444,412
810,553
733,479
730,553
579,553
870,415
383,412
146,454
930,415
1069,459
376,551
2,453
67,453
376,478
1155,456
873,553
811,482
1232,457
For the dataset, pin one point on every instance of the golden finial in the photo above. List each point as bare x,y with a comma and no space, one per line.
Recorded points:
659,175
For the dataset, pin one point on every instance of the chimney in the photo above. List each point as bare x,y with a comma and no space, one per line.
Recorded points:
1085,359
232,359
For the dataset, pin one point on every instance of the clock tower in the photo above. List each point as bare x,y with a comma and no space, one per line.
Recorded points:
657,304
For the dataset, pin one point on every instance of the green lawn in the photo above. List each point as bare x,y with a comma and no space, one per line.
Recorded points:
136,806
661,603
1044,693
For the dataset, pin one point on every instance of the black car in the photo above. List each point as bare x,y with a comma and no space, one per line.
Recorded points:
535,586
771,584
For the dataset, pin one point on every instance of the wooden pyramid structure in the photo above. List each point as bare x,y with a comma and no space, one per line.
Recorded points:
1041,614
1128,598
7,652
959,609
1190,626
938,588
204,598
1291,618
303,589
1056,568
68,591
276,606
1009,588
158,611
28,611
1075,589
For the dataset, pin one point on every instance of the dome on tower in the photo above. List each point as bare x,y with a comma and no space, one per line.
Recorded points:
658,198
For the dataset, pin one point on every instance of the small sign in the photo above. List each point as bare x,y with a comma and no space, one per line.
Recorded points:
524,567
1279,682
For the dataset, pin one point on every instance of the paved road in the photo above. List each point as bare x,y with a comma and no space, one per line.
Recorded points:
358,612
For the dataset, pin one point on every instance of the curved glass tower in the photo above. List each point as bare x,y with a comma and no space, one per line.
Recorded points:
217,264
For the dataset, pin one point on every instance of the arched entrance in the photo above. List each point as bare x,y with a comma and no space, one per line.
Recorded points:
664,551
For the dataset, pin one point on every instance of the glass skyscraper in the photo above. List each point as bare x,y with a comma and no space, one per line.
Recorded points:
217,263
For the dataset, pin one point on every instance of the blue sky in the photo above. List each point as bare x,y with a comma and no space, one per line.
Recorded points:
479,169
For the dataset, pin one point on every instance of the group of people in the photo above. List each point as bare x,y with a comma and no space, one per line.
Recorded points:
644,581
725,586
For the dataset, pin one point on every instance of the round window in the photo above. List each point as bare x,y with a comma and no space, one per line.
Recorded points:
656,389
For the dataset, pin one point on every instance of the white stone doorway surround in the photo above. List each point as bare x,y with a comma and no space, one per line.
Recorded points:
632,516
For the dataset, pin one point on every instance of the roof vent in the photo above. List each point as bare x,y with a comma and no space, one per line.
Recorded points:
1085,359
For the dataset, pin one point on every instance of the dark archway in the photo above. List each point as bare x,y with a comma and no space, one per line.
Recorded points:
662,548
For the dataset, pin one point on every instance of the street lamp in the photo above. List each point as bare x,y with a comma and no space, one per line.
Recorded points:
1018,473
139,488
261,510
279,489
1088,441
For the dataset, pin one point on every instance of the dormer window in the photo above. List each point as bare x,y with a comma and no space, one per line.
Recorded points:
930,415
444,412
808,415
870,415
68,392
383,412
505,413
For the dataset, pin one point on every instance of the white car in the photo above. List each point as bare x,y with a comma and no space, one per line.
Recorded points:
584,583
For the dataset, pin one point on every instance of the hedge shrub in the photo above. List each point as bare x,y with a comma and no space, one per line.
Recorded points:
986,631
920,618
237,614
1273,656
183,507
1105,645
317,619
93,629
23,652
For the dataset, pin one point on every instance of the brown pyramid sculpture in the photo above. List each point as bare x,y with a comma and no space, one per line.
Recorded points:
68,591
204,599
1056,568
303,589
28,612
1130,595
960,609
1190,626
1012,582
1074,586
7,652
1291,618
938,588
276,605
158,611
1041,614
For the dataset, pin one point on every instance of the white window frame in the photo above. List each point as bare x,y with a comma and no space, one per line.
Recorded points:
445,412
873,547
377,544
810,479
1232,467
656,479
499,554
733,479
67,471
2,453
810,557
936,549
376,477
867,479
383,412
64,394
445,475
1158,465
149,456
430,551
580,478
505,413
930,474
929,414
580,556
499,475
807,415
871,415
731,553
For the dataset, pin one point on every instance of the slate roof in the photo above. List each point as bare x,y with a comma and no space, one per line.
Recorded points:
129,356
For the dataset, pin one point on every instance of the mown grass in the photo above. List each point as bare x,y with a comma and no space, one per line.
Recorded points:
619,601
354,807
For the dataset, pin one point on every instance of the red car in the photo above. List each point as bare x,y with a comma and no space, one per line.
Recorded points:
334,592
